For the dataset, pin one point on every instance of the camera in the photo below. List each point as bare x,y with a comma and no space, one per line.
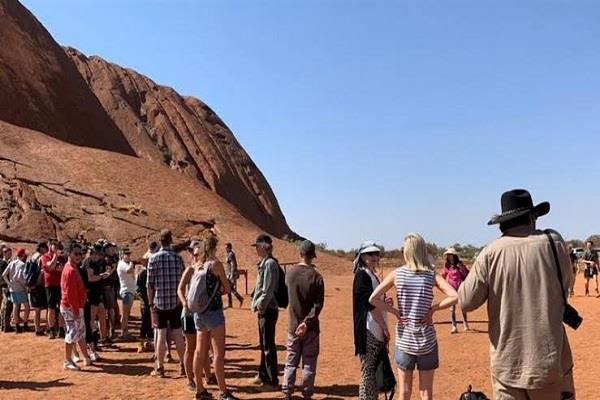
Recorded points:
571,317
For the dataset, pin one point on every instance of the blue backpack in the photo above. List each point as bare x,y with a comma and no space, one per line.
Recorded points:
32,272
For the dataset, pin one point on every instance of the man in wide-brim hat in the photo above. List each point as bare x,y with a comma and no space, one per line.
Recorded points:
518,277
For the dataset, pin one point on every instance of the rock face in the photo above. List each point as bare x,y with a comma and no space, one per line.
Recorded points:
183,133
41,89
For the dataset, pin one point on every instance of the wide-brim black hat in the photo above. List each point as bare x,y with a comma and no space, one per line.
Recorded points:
516,203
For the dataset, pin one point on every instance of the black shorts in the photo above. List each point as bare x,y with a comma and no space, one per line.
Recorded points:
189,327
167,318
53,295
37,297
109,297
96,296
590,272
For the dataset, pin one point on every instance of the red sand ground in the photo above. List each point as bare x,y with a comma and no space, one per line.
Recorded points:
32,366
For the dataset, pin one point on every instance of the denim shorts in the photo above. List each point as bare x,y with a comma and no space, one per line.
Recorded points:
127,298
425,362
209,320
19,297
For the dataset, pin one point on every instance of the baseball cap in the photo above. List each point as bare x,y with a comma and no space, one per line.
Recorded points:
21,252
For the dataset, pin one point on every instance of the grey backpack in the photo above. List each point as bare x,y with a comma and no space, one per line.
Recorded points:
198,297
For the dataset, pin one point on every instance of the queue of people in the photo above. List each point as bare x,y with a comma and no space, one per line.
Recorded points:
526,269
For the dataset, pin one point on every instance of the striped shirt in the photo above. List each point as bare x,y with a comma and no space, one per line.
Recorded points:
164,273
414,291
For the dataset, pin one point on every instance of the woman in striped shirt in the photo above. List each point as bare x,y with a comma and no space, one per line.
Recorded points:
416,343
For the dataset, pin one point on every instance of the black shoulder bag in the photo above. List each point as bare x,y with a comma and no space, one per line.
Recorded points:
571,316
384,374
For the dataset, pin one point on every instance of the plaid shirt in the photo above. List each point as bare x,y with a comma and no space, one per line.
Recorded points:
164,273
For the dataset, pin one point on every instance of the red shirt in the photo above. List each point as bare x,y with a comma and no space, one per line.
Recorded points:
72,288
51,277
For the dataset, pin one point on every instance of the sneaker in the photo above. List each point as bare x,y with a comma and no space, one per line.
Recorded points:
18,329
88,362
40,333
158,372
75,357
26,325
94,356
453,330
140,348
191,386
466,328
256,380
226,395
269,387
204,395
51,334
71,366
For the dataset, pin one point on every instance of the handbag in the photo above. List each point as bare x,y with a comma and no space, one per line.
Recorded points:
384,375
571,317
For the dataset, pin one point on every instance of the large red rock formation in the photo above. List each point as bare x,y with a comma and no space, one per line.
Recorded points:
41,89
184,133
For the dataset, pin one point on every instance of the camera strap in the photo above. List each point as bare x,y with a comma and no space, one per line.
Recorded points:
559,272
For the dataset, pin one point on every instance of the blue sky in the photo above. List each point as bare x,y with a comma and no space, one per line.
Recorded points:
371,119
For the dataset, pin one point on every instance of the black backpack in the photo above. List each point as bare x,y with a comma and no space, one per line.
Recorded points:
281,294
471,395
32,273
384,374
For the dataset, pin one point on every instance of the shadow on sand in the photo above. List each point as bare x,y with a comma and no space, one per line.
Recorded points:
35,386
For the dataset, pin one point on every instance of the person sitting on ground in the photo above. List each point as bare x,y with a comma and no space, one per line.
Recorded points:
416,342
37,293
517,275
126,272
306,292
71,307
370,325
165,269
231,270
14,276
264,304
590,259
455,272
7,305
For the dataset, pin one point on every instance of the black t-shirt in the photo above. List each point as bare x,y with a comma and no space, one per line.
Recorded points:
111,262
97,267
3,265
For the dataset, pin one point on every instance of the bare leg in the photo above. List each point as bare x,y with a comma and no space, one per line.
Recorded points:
37,316
69,352
16,312
27,311
405,379
125,318
160,346
202,344
218,346
426,384
177,335
190,350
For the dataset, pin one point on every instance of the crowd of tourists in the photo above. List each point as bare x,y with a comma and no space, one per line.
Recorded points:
525,277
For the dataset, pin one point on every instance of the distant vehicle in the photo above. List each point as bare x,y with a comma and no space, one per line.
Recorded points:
580,250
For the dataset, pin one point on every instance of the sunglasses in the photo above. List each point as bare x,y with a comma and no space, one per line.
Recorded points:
372,254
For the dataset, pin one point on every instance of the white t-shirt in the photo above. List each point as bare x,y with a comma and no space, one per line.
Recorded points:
128,283
372,325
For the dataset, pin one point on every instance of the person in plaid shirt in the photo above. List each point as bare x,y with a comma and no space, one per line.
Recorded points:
165,269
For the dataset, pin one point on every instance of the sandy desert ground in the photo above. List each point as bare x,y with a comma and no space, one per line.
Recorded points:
32,366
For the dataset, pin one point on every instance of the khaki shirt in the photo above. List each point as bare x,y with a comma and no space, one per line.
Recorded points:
518,278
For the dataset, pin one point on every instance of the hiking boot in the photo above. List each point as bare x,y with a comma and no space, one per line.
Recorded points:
191,386
226,395
40,332
204,395
18,329
71,366
158,372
